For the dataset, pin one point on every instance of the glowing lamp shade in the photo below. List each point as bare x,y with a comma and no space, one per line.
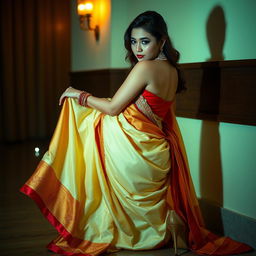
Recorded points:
85,11
84,8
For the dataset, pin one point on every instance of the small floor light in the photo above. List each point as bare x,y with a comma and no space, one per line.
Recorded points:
85,11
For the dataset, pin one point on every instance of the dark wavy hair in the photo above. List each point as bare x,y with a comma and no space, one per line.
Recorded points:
153,23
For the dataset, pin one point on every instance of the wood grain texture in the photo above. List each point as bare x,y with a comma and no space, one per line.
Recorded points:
222,91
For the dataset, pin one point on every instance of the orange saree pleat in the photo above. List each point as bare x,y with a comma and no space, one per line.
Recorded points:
182,198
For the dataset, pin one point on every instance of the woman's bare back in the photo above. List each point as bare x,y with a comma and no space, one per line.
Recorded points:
163,79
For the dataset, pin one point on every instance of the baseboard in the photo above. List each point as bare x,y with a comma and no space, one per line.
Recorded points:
228,223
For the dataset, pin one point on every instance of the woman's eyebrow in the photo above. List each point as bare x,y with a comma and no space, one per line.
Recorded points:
142,38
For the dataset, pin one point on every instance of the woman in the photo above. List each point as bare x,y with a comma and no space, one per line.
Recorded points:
116,175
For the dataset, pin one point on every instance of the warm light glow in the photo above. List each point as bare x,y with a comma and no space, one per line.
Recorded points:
85,8
89,15
88,6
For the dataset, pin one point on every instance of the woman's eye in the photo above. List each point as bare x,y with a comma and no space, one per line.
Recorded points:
133,42
145,42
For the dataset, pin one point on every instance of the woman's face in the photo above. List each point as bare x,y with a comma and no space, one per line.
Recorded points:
144,45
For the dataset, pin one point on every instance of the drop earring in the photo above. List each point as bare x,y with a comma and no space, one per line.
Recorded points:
161,55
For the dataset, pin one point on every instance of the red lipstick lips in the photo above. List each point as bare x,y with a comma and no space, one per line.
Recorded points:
140,56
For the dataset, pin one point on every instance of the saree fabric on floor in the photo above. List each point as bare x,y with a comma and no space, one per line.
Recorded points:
108,182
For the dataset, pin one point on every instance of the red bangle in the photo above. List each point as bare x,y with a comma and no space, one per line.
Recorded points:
83,98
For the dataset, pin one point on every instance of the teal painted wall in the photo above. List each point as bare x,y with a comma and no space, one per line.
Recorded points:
222,161
221,155
188,22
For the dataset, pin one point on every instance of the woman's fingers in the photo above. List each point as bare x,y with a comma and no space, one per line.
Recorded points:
62,97
69,92
61,100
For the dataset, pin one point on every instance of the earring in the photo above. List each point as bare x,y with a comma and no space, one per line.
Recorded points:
161,55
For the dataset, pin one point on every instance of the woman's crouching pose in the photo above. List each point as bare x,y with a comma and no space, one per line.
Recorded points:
116,174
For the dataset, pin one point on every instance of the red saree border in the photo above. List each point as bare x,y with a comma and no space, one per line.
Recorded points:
54,248
57,198
25,189
59,227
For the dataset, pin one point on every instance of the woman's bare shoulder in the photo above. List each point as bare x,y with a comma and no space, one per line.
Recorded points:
143,68
156,69
148,66
144,64
156,65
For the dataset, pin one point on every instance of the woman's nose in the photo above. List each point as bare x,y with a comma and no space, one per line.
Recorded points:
139,49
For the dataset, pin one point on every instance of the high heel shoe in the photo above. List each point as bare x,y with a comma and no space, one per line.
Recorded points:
178,230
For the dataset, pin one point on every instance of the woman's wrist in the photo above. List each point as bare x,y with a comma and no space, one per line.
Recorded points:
78,93
82,99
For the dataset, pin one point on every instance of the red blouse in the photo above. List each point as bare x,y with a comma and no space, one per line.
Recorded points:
158,105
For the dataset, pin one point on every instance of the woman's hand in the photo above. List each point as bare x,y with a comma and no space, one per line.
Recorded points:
71,93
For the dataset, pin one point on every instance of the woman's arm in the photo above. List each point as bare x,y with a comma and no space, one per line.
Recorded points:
133,84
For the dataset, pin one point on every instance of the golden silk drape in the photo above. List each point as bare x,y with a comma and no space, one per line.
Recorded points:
104,201
107,183
35,58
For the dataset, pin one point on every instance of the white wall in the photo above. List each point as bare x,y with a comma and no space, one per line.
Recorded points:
187,23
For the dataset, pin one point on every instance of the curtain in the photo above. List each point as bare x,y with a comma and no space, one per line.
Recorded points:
35,56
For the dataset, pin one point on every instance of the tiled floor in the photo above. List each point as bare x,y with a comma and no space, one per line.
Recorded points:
23,230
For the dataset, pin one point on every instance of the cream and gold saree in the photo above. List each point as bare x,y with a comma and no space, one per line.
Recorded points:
108,182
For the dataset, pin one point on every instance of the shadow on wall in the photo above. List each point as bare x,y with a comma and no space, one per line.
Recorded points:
211,184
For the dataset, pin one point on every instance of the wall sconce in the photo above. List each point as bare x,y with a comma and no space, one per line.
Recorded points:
85,10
